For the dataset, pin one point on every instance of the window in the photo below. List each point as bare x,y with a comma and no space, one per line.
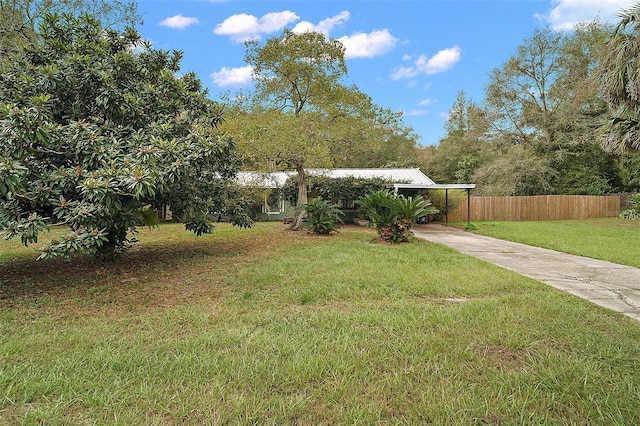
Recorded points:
346,204
273,203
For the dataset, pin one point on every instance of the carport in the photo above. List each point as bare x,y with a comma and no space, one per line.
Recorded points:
465,186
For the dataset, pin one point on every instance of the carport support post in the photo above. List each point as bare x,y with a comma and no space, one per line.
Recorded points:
446,207
468,207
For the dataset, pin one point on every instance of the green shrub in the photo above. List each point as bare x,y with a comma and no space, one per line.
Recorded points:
393,216
322,216
335,189
374,206
408,210
633,212
438,199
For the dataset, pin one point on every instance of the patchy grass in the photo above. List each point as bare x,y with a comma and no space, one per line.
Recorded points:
612,239
266,326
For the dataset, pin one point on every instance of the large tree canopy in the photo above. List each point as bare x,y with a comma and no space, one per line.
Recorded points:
543,102
301,113
19,19
465,145
297,83
94,135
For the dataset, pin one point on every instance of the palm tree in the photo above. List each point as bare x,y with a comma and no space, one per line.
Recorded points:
619,76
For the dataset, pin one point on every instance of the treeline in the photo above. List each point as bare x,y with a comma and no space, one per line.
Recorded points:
545,124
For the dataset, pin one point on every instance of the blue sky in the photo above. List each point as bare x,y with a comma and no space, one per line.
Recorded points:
408,55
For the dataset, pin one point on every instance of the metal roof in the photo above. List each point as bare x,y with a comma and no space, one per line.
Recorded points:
262,180
435,186
409,176
277,179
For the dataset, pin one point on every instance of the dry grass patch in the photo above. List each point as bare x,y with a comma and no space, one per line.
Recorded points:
167,268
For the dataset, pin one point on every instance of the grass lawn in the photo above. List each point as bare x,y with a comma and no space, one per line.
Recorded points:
612,239
266,326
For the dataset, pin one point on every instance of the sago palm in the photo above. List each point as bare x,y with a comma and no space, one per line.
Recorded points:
393,216
408,210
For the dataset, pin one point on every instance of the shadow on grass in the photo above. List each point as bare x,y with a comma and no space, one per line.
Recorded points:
145,272
166,268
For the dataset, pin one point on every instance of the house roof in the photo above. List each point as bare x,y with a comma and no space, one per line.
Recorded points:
413,177
409,176
262,179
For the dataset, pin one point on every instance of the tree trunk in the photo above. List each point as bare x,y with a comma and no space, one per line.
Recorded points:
302,199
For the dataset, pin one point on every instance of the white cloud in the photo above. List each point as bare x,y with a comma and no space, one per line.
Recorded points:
238,26
232,76
421,111
242,27
363,45
402,73
442,61
416,113
566,14
179,22
275,21
303,27
325,26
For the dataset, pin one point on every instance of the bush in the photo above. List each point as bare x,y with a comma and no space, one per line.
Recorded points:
335,189
438,200
633,212
322,216
393,216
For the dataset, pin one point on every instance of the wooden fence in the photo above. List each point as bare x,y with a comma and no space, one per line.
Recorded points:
540,207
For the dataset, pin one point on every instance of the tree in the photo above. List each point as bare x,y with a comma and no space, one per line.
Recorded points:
581,164
518,94
629,172
271,140
544,100
95,136
301,114
620,81
517,172
296,76
465,146
19,19
371,136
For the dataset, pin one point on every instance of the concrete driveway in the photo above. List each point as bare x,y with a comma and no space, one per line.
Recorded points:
607,284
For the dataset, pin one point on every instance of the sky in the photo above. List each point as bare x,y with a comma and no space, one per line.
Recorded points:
411,56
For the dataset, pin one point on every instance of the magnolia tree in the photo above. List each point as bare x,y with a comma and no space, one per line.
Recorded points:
97,131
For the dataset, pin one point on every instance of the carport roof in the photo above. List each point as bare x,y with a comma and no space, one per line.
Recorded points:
434,186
